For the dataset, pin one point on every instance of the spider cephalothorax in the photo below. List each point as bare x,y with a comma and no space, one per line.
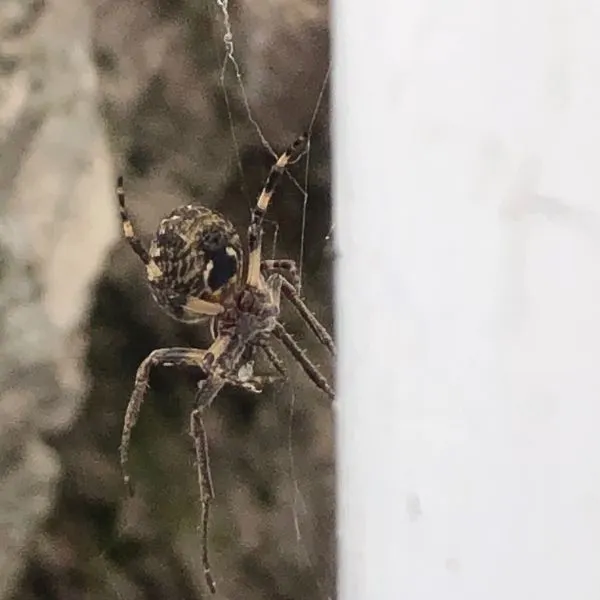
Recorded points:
195,269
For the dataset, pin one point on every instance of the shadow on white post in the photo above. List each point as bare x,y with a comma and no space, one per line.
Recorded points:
467,190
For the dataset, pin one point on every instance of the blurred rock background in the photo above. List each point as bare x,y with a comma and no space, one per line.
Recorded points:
133,86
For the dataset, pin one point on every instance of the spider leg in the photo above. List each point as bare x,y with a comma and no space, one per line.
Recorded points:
290,291
131,237
207,391
292,154
207,490
313,323
201,307
273,358
300,355
169,357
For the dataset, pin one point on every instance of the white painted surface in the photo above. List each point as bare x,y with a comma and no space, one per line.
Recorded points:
467,188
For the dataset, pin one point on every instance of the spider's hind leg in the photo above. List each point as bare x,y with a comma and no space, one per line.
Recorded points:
168,357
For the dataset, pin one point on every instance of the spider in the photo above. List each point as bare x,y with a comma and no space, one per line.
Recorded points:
195,271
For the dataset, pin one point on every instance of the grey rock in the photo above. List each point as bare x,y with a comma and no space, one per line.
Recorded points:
56,225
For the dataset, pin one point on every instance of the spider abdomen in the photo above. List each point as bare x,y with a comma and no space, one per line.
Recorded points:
196,253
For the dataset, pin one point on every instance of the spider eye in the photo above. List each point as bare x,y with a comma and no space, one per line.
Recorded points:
221,268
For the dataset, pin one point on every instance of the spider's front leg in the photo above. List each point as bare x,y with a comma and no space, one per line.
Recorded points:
167,357
276,284
290,287
284,266
207,390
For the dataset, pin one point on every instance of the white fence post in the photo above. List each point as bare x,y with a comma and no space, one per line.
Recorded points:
467,193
